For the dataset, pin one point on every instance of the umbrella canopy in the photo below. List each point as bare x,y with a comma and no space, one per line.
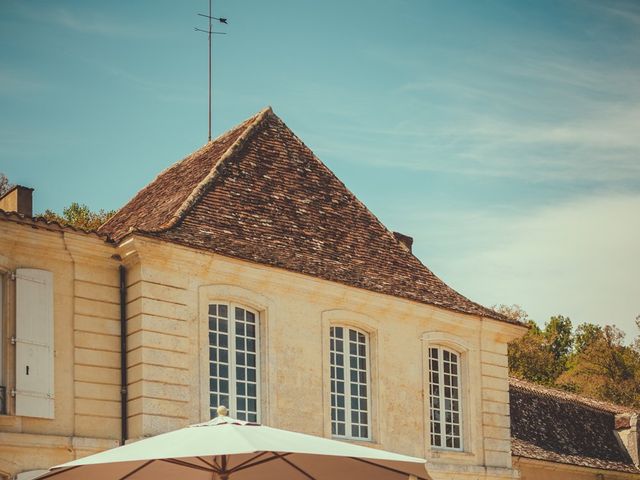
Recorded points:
228,449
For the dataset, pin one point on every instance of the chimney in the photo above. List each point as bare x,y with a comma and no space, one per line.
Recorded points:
18,199
626,425
404,240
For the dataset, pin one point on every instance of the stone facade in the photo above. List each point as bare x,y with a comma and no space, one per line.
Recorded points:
168,290
86,339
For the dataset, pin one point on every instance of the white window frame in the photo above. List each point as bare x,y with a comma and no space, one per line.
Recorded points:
347,381
232,407
442,399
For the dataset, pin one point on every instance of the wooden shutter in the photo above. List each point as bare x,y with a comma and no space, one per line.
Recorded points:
34,343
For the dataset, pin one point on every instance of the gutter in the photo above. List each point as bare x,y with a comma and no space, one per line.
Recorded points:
123,356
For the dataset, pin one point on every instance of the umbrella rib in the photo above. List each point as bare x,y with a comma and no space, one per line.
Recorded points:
187,464
399,472
136,470
57,472
289,462
205,462
243,466
240,465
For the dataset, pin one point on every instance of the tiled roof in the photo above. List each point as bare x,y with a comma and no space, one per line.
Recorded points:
556,426
258,193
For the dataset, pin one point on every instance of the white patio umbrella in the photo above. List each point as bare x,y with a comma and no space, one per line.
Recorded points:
228,449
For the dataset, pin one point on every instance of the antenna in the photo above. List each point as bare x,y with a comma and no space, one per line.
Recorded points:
210,32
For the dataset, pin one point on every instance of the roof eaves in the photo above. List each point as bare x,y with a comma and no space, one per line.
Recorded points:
49,224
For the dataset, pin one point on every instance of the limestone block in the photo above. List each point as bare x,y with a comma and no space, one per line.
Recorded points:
495,371
494,358
96,291
99,358
98,408
152,356
493,383
97,391
496,420
97,341
164,325
157,340
85,373
96,308
97,325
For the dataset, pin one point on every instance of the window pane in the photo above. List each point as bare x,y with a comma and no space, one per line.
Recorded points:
349,390
233,360
444,398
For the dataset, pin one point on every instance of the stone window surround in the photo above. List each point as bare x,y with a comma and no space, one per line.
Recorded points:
444,355
264,307
231,348
469,367
369,326
348,381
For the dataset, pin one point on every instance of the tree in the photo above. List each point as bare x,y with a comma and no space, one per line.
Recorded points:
541,355
513,312
605,368
530,357
585,335
79,216
5,186
591,360
559,337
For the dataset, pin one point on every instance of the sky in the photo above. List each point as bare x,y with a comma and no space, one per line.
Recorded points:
504,136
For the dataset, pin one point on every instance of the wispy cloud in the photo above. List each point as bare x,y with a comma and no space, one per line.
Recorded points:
13,82
579,258
534,111
620,10
83,21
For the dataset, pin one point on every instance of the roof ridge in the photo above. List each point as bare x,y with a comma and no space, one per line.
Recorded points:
204,183
199,189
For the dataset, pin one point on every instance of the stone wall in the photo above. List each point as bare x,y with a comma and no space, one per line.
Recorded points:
86,348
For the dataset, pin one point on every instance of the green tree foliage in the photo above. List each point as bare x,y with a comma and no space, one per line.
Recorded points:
591,360
606,369
79,216
5,186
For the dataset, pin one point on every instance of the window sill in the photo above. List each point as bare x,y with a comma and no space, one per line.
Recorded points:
354,441
445,453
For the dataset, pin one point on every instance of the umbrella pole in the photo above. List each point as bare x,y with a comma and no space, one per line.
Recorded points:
224,475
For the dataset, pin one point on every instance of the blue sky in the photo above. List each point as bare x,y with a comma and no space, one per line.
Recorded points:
503,136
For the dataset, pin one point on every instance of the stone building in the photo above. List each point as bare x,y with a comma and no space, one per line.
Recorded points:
248,275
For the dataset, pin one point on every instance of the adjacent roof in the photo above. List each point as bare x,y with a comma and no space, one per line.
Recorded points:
556,426
258,193
41,222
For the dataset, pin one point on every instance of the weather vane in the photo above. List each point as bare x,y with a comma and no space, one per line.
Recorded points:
210,32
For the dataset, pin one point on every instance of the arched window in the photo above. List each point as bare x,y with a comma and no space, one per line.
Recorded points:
444,399
350,390
234,369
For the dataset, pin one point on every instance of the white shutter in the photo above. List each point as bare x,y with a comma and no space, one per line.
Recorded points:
34,343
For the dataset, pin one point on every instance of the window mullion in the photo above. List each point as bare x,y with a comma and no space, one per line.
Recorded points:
258,353
367,360
442,409
347,375
232,360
